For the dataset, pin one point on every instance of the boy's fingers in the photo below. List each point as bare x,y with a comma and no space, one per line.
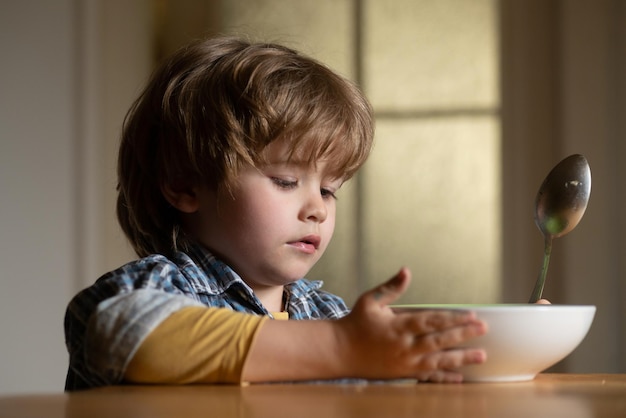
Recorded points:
440,376
429,321
392,289
443,366
448,338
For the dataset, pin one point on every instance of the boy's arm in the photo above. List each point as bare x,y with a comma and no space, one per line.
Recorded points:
371,342
218,345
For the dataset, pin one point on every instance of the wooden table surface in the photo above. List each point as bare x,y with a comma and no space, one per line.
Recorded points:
549,395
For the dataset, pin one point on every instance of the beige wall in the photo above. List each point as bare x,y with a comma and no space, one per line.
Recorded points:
69,69
37,185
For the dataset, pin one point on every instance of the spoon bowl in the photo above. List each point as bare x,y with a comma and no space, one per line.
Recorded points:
560,205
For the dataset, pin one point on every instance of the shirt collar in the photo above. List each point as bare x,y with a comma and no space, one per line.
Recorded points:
205,273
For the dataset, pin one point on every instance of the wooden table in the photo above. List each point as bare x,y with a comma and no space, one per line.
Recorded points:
549,395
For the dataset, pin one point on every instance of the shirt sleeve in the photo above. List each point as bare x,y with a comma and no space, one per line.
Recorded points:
115,331
107,322
196,345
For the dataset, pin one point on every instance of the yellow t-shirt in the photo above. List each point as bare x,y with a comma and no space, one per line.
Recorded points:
197,345
280,315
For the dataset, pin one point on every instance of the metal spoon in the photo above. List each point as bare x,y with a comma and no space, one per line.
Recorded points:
560,204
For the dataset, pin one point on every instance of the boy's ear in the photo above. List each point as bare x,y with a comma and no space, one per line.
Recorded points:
184,199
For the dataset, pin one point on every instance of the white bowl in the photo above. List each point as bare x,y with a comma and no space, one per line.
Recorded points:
523,339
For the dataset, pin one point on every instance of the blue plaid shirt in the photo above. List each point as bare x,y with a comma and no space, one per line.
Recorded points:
106,323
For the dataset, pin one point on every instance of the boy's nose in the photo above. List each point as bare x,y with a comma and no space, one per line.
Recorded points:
315,208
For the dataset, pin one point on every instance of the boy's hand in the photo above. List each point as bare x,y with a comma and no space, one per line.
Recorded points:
380,343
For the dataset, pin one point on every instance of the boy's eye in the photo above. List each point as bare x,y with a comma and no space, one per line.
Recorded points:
284,184
327,193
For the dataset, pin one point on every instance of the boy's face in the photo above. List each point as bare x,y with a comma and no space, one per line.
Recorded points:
276,224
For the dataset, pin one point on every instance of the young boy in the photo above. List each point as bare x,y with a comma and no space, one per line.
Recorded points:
228,169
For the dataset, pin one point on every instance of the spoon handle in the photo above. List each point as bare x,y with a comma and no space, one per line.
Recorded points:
541,280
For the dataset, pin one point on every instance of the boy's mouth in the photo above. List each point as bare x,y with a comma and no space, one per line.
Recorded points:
310,243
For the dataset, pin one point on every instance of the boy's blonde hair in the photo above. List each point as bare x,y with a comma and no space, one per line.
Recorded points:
213,107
